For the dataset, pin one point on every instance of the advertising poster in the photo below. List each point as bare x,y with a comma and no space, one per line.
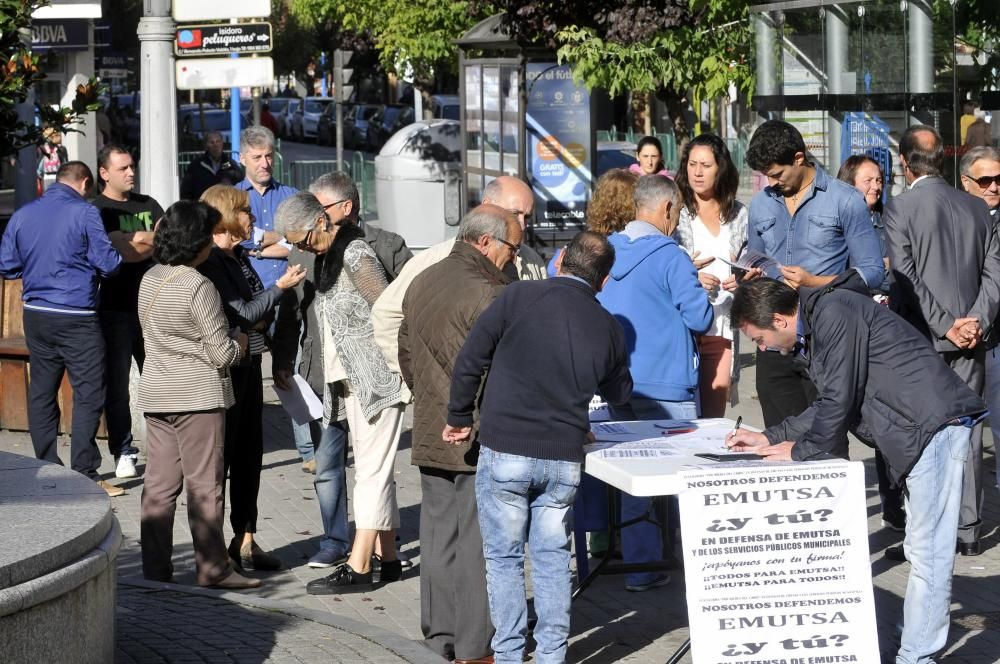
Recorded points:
776,564
559,146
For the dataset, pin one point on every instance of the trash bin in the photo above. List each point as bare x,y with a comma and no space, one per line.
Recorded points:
417,181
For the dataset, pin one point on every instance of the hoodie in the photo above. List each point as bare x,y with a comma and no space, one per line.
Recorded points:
655,294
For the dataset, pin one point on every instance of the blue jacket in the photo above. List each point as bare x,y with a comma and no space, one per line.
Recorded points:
655,294
58,247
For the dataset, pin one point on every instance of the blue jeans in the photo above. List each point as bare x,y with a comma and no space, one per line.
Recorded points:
993,400
932,498
643,542
122,341
331,486
522,499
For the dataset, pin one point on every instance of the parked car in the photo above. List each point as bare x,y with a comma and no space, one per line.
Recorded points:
285,117
384,124
613,154
306,117
446,107
356,124
194,126
326,127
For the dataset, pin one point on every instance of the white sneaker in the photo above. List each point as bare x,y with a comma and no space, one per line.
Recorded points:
126,466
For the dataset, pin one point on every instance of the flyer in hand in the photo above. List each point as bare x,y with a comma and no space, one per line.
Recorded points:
750,260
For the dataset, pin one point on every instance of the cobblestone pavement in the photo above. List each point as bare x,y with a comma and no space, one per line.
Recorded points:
279,622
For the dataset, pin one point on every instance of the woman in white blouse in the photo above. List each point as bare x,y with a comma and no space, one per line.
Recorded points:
713,224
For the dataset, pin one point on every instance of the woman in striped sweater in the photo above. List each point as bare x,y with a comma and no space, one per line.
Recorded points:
184,392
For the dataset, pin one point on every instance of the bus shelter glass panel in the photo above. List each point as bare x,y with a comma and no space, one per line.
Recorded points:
473,116
510,139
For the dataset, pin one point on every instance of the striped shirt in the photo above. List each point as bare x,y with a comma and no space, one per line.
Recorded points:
188,349
257,345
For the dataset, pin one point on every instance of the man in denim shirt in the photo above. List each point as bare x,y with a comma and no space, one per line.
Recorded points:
815,227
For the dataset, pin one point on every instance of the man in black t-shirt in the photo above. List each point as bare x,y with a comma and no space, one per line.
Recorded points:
128,219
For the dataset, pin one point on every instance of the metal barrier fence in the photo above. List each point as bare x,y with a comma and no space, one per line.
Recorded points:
360,168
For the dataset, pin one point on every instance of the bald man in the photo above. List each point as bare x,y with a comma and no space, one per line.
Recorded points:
945,258
516,197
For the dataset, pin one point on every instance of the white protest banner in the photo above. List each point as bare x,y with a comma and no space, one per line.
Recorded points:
776,564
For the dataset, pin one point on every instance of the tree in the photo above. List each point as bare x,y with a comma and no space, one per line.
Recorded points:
19,70
410,36
641,47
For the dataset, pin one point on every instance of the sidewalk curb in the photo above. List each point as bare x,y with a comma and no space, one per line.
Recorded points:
411,651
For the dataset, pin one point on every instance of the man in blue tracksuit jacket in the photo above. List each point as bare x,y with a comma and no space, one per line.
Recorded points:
58,247
655,294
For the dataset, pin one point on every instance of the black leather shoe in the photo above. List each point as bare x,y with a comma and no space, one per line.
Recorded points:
969,548
895,553
389,570
343,580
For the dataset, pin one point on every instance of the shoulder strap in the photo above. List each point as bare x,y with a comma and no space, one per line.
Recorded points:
157,293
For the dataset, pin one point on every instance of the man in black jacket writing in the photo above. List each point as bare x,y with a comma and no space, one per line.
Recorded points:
879,378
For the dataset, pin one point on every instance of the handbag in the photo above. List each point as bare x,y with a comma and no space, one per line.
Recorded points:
224,376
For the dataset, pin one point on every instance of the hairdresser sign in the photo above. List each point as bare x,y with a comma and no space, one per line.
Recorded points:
776,564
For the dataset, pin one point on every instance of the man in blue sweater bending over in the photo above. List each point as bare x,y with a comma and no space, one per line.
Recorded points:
655,294
549,347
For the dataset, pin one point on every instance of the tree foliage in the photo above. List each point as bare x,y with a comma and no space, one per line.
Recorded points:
410,36
19,70
707,48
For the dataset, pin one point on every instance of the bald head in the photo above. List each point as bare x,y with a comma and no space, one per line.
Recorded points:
513,195
921,152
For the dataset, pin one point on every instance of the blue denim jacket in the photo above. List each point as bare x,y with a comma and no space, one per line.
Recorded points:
830,232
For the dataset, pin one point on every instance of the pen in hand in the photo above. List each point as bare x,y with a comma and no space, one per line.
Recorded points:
739,421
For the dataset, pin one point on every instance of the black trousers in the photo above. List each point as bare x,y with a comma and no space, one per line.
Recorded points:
244,449
783,386
454,606
60,343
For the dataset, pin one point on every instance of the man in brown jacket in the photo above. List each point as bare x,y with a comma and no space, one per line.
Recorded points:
439,310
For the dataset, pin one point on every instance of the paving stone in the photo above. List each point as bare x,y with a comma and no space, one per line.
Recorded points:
609,624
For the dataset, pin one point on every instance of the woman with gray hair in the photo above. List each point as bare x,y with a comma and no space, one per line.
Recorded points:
360,385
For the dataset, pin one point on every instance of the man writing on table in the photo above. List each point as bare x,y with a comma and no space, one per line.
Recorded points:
879,378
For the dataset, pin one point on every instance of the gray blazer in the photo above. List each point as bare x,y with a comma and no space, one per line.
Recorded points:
945,258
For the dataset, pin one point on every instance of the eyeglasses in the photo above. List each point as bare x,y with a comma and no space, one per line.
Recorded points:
304,242
514,248
528,218
985,181
330,205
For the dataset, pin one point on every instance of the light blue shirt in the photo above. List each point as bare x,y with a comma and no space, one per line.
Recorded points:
830,232
263,207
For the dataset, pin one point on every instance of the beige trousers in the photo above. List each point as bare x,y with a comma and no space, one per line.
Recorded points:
375,443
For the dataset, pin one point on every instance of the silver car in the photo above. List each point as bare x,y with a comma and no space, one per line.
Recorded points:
306,117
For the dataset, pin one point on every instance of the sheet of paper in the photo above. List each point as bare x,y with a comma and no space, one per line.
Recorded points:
300,402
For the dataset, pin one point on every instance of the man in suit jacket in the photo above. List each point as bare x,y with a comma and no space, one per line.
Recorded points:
945,257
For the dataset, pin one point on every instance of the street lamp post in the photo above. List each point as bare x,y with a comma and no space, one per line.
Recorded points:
158,128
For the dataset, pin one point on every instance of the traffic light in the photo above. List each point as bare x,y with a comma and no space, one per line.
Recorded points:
342,89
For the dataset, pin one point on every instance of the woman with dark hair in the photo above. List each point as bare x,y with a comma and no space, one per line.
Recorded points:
649,158
184,392
713,224
864,174
249,307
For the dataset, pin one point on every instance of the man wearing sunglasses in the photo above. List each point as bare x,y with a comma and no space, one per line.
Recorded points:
980,169
945,257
